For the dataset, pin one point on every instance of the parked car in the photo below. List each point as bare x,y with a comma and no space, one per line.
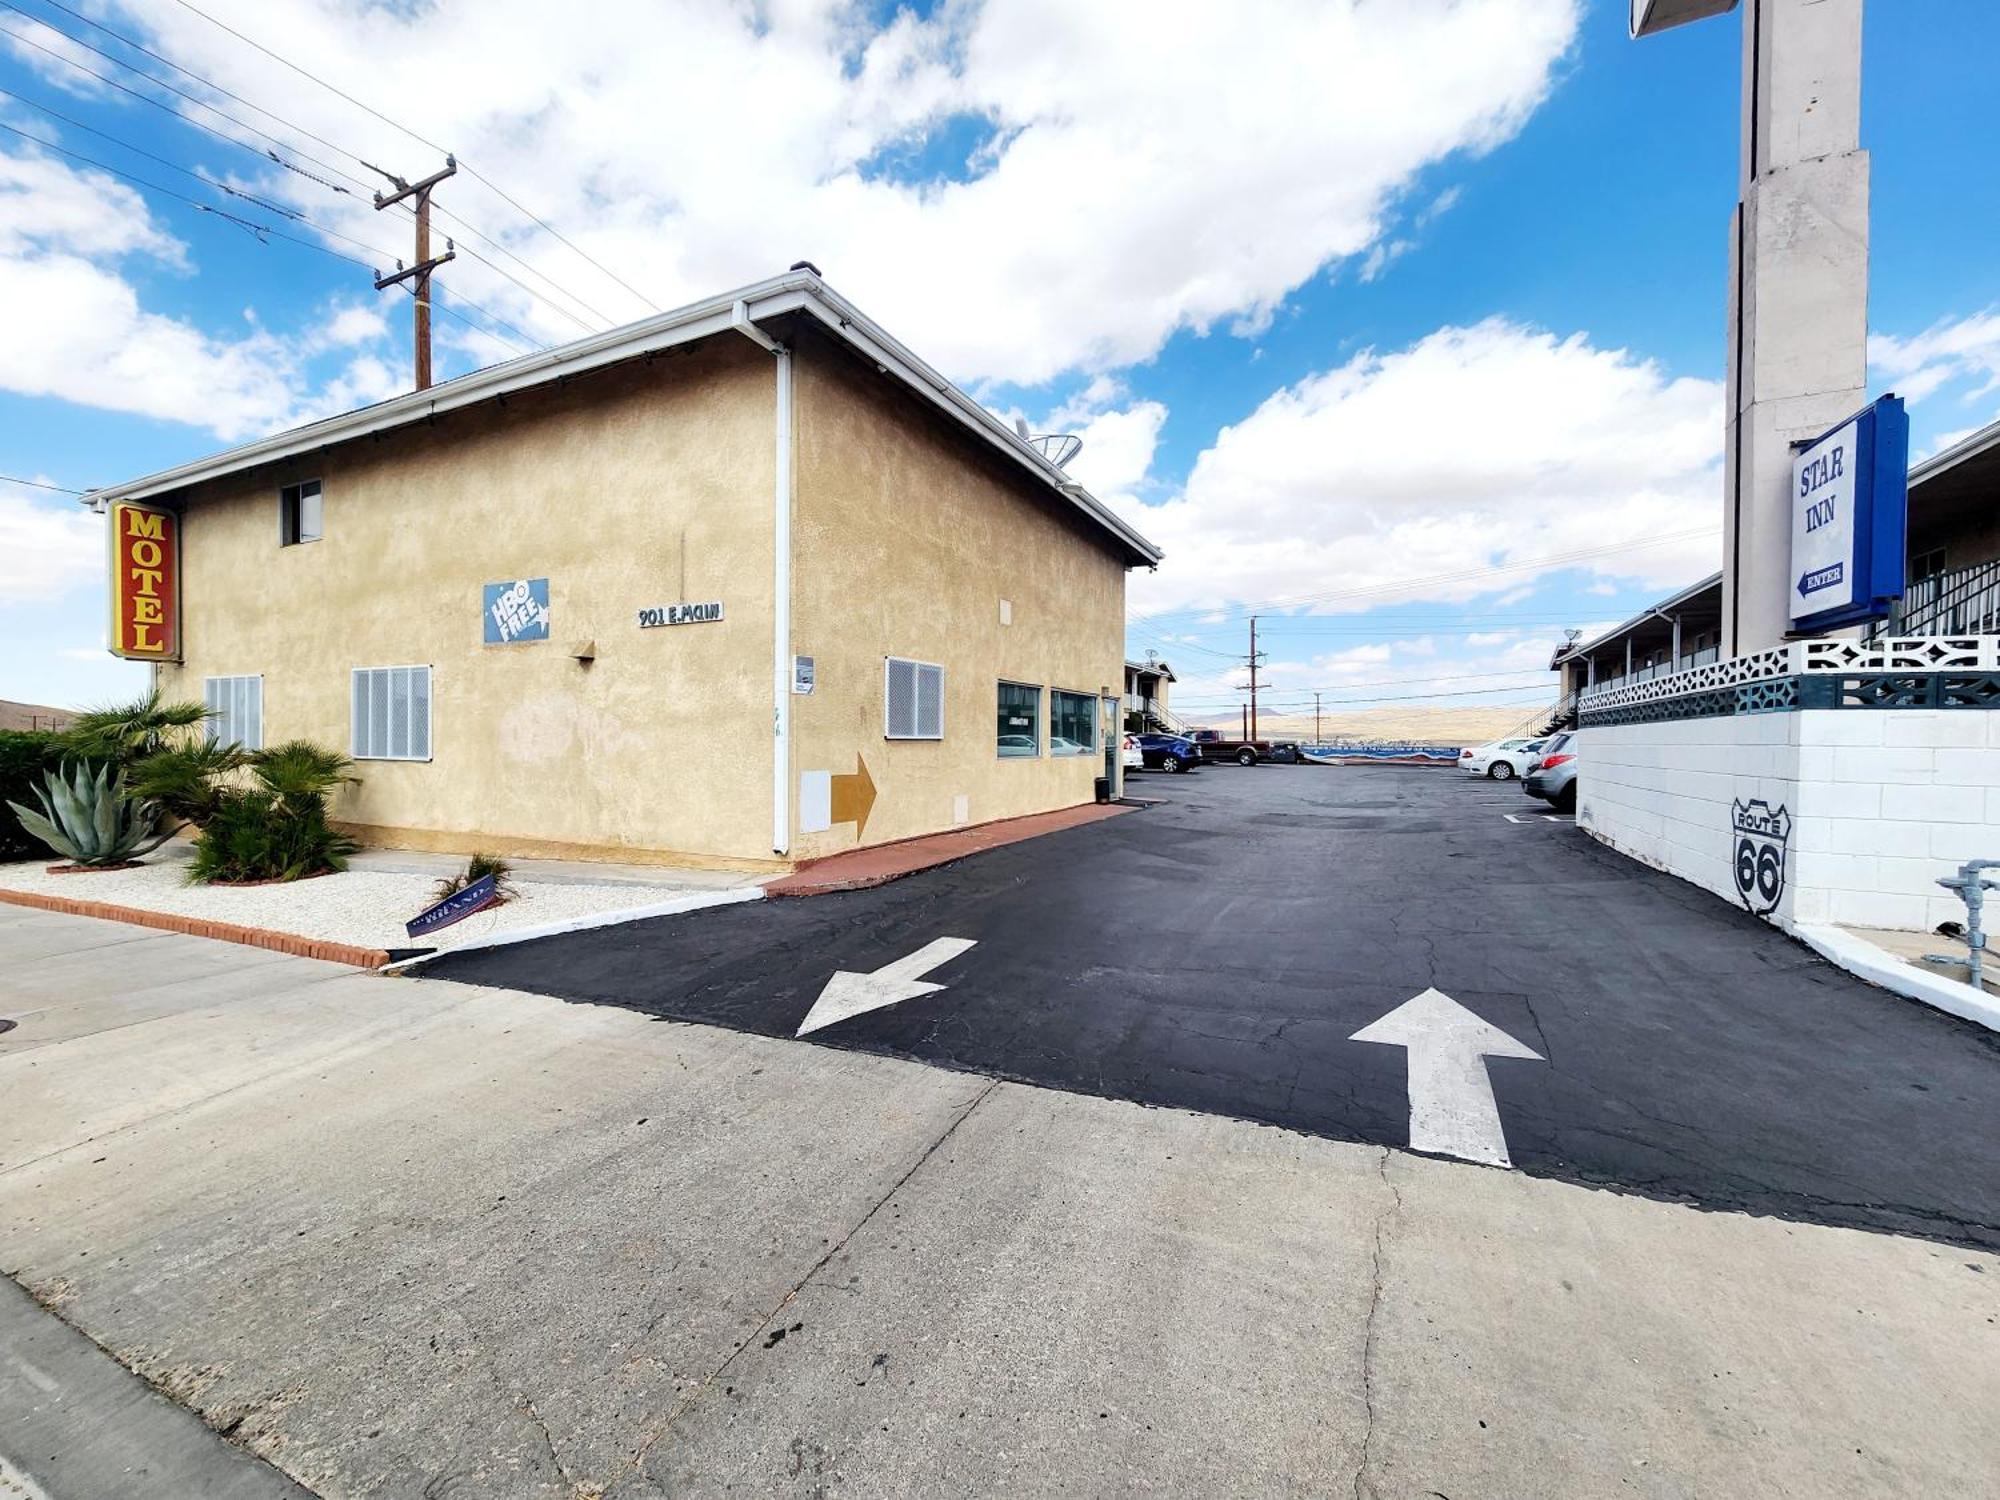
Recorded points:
1502,760
1169,752
1215,745
1553,775
1131,757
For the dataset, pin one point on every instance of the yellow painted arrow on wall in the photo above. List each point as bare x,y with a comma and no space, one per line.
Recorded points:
853,796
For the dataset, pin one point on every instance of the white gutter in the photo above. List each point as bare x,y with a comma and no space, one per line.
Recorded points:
781,582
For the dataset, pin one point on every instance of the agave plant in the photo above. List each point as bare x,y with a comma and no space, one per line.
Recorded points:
87,817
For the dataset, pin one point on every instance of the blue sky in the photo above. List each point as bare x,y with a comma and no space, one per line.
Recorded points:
1379,307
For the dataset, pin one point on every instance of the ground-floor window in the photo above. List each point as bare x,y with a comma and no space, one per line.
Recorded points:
392,713
1072,723
235,710
1020,727
912,699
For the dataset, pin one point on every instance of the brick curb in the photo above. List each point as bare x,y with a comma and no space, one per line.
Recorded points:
878,864
228,932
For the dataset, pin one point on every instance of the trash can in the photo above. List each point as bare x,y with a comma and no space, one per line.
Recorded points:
1104,789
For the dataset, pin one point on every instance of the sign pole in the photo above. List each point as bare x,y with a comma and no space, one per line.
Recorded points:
1798,294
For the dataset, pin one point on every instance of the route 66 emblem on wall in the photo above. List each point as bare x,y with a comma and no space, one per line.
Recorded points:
1760,854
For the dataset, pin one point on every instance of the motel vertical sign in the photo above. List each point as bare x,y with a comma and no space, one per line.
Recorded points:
145,582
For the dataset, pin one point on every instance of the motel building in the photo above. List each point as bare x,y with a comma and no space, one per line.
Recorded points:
1829,782
740,586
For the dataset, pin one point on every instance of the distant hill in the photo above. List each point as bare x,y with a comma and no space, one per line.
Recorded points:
33,716
1415,724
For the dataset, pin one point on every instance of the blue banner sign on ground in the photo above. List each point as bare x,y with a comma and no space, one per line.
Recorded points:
1850,498
517,611
456,907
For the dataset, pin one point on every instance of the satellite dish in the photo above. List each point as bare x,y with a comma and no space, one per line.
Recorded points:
1057,447
1021,427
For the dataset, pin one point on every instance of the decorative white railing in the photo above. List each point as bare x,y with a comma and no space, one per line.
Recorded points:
1923,653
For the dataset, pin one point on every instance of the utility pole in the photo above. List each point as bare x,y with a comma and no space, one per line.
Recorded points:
420,271
1253,679
1317,738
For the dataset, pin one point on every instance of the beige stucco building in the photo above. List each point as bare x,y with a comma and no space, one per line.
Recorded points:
744,584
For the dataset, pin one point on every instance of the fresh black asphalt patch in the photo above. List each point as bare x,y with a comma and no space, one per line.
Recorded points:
1217,952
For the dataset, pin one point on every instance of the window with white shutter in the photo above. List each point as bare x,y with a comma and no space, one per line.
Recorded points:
235,710
912,699
392,713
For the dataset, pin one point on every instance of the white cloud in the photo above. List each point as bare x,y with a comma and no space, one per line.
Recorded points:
1141,166
50,54
1962,352
1118,449
1476,449
47,205
76,329
47,548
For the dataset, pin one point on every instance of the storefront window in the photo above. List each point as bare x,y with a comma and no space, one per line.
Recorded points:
1020,730
1072,723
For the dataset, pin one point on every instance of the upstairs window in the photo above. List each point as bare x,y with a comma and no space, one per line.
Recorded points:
300,515
912,699
1072,723
1020,727
392,713
235,710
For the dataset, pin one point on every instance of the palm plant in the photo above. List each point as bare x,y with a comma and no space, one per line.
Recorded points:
189,781
275,827
299,772
87,817
124,733
477,869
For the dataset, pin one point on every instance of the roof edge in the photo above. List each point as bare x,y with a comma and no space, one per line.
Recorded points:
795,291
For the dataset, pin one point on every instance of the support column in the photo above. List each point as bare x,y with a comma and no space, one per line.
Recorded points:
1798,305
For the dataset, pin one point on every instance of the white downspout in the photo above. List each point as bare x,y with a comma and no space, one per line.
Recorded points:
781,586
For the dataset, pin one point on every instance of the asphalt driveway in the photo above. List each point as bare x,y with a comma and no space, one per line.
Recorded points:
1219,951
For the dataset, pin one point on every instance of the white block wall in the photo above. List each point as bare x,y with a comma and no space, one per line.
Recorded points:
1883,802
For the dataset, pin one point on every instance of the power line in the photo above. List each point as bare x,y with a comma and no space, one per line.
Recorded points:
170,88
207,83
1348,687
260,230
201,177
1525,687
470,170
296,128
1372,590
267,155
36,484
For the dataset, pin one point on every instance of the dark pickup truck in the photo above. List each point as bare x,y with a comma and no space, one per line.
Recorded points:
1215,745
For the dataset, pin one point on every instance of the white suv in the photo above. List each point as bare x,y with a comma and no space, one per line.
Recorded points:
1502,760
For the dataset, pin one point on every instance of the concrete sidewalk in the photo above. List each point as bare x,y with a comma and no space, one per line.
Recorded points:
79,1424
416,1238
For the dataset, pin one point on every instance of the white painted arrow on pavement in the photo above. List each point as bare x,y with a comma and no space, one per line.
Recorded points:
1452,1112
848,994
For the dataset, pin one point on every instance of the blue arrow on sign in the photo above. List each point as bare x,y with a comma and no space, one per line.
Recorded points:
1824,578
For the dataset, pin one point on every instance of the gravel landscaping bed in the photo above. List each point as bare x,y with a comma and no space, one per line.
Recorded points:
365,907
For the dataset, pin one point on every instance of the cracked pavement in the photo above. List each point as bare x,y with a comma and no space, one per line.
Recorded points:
400,1238
1217,953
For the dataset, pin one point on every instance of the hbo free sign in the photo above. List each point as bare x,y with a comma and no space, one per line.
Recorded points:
517,611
